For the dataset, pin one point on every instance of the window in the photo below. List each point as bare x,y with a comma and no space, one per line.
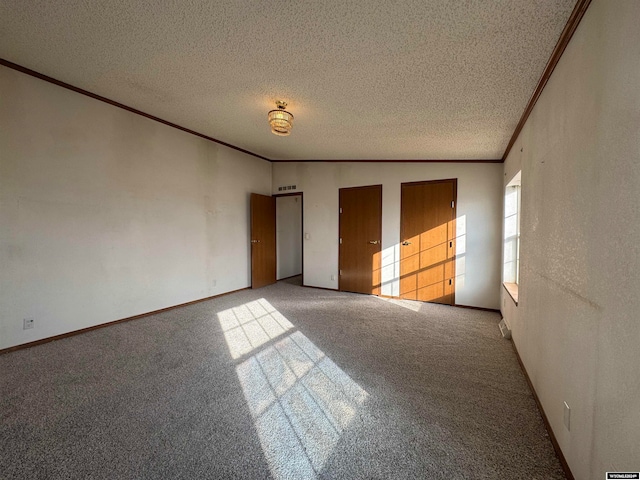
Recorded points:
511,249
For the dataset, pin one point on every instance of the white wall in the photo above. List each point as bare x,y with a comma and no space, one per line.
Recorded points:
106,214
289,236
577,324
479,212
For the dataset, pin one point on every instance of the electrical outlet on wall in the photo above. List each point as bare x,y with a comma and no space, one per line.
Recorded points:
27,323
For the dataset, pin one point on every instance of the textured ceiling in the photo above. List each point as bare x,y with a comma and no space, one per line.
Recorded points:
404,79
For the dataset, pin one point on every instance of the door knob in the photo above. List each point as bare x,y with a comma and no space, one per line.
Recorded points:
255,241
405,243
374,242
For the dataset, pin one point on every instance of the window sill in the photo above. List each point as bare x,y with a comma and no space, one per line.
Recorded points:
512,290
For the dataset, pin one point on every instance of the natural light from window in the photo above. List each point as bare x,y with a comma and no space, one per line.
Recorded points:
389,265
511,249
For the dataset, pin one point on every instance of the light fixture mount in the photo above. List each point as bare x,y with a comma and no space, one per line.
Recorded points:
280,120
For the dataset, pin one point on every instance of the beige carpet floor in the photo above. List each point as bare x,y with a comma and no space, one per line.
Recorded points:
283,382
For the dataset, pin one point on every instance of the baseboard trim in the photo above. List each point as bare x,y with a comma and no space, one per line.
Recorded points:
291,276
554,441
322,288
108,324
484,309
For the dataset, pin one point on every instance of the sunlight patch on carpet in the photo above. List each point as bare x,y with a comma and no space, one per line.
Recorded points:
251,325
301,401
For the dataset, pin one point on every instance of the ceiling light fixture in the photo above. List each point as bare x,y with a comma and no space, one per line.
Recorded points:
280,120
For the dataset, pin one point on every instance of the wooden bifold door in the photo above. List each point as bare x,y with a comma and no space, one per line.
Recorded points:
428,241
360,239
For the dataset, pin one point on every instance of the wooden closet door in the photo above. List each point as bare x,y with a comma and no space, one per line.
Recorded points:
427,241
360,239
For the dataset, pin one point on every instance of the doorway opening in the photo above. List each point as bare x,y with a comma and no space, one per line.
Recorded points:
289,245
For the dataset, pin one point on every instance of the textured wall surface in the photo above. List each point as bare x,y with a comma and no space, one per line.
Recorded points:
478,224
576,326
106,214
289,236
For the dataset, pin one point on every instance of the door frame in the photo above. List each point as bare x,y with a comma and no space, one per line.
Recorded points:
293,194
340,229
455,220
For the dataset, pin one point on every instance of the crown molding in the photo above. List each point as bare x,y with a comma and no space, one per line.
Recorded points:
95,96
496,160
569,29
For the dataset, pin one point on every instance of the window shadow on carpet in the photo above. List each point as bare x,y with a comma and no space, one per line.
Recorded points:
300,400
